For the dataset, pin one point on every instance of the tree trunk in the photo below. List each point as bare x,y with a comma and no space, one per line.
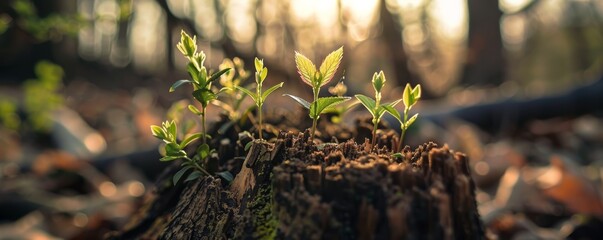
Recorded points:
295,189
484,62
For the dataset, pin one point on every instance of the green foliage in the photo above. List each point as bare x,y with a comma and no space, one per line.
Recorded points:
410,97
8,114
42,95
316,79
230,98
259,97
53,26
374,106
168,133
201,81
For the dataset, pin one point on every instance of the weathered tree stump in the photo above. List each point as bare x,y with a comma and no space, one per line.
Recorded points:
295,189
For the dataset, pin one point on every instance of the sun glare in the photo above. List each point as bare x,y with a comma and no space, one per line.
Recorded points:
450,17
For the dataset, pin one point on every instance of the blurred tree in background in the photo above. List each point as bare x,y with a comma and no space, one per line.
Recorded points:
530,45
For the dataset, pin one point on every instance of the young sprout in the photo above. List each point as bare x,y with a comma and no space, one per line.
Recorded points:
259,97
203,93
410,97
233,98
201,80
374,106
168,133
316,79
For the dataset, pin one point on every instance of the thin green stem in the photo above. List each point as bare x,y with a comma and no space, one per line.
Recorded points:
260,120
197,166
401,145
376,120
403,130
260,103
203,126
374,141
314,118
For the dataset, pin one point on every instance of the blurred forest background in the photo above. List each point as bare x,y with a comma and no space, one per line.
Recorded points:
84,79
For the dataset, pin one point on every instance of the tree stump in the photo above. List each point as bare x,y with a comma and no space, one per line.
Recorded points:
295,189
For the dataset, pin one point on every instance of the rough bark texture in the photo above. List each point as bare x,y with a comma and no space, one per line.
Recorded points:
295,189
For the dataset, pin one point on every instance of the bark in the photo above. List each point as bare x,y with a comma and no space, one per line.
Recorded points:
295,189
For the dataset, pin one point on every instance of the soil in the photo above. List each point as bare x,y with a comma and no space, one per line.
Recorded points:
295,188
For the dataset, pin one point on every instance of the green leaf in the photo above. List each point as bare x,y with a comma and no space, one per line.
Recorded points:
305,68
248,145
193,72
251,94
194,175
203,151
179,83
194,109
378,81
199,58
368,103
392,111
173,150
179,174
407,96
263,74
325,102
204,96
330,64
397,155
216,75
169,158
172,130
259,64
299,100
270,90
158,132
379,112
226,175
416,92
203,77
187,45
189,139
410,121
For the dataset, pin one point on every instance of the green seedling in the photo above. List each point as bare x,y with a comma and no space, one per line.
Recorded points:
339,110
232,98
410,97
317,78
259,97
168,133
200,79
374,106
203,93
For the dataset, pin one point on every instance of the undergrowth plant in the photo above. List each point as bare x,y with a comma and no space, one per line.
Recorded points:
317,78
410,97
374,106
43,95
201,81
232,98
259,97
168,133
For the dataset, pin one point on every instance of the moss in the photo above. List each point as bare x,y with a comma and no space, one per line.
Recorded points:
264,220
